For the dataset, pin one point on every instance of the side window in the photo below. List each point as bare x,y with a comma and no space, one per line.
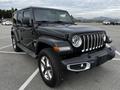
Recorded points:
27,17
14,18
20,17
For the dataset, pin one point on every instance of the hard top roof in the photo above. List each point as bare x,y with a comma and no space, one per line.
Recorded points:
31,7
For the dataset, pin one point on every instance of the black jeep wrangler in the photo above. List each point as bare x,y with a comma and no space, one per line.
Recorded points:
51,36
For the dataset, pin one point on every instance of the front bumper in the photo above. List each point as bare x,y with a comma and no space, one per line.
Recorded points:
89,60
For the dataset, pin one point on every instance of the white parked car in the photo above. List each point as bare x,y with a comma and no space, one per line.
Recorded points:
6,23
106,22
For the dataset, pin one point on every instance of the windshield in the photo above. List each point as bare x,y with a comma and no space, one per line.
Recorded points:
52,15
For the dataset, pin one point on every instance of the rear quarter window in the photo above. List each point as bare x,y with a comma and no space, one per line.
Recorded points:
20,17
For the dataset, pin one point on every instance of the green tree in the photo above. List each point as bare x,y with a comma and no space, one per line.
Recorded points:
7,13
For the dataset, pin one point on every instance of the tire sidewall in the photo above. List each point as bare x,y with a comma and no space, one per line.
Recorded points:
13,38
56,78
17,49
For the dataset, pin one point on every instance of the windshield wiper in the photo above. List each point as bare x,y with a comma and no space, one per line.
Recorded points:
40,22
49,22
62,22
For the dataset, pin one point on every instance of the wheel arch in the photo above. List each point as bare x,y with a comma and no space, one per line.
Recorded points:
14,33
42,45
48,42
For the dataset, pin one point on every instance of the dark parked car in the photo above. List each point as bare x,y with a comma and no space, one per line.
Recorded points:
115,22
51,36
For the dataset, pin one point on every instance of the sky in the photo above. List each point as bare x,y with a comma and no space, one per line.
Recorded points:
78,8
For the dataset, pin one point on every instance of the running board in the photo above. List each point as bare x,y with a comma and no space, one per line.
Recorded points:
29,52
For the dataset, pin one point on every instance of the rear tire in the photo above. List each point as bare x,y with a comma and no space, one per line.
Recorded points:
55,74
14,44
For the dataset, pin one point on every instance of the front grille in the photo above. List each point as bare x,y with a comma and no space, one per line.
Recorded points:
92,41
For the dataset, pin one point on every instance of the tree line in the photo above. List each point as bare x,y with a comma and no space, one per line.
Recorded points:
7,13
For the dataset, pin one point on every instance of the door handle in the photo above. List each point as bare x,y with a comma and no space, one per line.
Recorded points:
23,30
32,32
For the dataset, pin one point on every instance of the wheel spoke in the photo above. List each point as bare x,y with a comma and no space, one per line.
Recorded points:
42,67
46,60
46,68
47,63
43,61
49,74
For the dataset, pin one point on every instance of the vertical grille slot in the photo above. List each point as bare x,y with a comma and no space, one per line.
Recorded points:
102,42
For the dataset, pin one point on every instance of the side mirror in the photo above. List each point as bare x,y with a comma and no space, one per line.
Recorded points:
26,21
72,18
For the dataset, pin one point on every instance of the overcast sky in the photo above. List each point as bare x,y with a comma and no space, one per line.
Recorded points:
78,8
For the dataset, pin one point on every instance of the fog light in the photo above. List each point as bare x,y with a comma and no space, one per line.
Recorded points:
82,65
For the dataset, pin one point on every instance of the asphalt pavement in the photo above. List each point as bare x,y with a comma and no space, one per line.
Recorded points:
19,71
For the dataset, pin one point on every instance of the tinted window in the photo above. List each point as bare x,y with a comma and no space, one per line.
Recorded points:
19,21
27,15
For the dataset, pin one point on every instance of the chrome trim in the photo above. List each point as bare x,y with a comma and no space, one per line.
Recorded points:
64,48
97,41
87,43
94,42
91,41
88,65
83,43
102,42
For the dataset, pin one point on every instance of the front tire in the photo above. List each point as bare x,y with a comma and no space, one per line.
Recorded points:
14,44
50,68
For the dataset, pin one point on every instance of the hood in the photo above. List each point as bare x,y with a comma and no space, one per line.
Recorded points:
62,30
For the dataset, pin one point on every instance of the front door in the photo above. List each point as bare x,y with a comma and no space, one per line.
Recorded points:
27,30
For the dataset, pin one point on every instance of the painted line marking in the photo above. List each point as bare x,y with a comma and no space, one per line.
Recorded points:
116,59
5,46
7,52
25,84
115,50
4,37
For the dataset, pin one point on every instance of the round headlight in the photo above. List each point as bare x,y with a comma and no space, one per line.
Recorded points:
104,37
76,41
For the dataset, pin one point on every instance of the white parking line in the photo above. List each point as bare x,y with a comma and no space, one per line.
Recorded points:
5,46
116,59
115,50
5,37
29,80
7,52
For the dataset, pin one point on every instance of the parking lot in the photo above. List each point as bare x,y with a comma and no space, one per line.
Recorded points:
19,71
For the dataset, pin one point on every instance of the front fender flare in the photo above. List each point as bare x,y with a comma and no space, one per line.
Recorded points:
51,42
